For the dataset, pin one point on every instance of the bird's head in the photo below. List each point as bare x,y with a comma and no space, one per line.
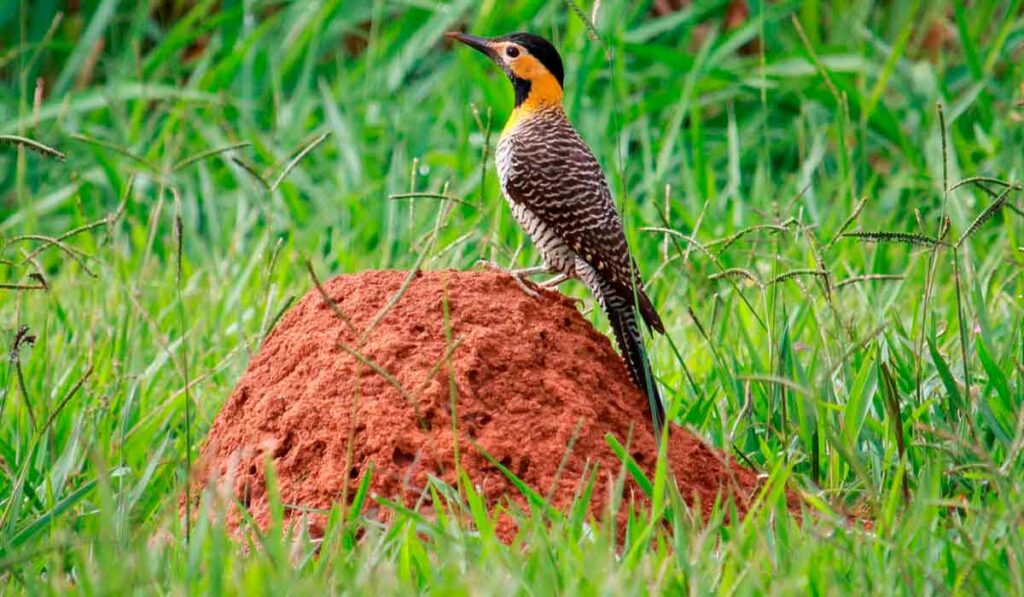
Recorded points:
531,63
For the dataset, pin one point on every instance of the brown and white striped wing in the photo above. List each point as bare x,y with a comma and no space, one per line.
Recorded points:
556,176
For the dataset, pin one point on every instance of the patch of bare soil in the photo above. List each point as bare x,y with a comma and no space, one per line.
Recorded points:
530,378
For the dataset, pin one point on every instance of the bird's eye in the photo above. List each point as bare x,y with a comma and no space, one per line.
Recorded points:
511,51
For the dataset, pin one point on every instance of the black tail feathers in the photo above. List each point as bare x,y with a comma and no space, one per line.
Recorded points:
622,316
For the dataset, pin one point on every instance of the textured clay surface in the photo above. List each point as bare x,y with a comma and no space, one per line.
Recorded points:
528,375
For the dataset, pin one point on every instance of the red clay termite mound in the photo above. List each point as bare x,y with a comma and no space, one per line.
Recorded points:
528,375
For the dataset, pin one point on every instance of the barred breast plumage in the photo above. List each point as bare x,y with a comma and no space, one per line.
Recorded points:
558,194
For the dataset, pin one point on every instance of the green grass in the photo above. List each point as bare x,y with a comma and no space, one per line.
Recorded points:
841,314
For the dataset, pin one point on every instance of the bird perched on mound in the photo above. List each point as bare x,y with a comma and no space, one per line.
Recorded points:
560,197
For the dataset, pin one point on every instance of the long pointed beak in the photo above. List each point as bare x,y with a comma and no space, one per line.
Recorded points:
480,44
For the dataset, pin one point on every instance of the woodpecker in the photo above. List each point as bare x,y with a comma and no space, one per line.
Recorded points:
559,195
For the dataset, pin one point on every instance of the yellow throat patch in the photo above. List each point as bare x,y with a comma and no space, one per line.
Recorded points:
545,92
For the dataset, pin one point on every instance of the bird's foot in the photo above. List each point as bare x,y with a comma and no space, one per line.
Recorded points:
554,282
525,284
581,303
519,275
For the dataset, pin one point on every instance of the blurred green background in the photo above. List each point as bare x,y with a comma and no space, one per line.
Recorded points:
213,147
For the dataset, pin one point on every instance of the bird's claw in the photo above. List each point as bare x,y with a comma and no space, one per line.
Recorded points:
553,283
521,281
525,286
